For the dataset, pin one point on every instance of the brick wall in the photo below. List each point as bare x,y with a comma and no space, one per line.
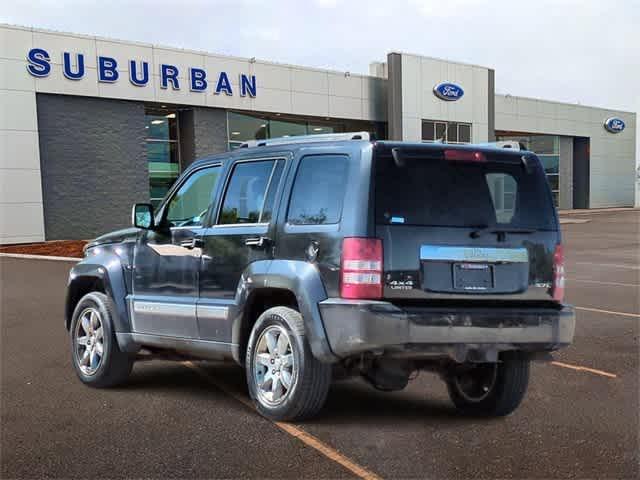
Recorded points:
93,162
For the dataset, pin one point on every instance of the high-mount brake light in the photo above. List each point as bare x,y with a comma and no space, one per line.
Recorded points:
361,268
558,274
464,156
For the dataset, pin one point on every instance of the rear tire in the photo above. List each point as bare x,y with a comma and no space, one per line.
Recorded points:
95,355
490,389
286,382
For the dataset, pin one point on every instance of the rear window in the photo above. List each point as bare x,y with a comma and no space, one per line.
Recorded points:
435,192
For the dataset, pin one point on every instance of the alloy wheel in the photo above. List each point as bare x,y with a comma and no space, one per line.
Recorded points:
274,366
88,341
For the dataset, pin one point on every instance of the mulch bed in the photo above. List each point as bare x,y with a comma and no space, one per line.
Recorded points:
57,248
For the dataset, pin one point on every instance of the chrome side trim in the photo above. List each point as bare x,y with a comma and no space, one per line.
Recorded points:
474,254
211,312
165,309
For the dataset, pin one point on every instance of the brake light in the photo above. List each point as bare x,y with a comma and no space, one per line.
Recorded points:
558,274
361,268
464,156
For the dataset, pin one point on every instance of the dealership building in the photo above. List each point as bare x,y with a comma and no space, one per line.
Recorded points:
89,125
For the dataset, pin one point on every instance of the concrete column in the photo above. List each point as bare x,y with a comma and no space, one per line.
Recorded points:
566,173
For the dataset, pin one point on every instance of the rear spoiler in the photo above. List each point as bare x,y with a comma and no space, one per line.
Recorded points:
468,154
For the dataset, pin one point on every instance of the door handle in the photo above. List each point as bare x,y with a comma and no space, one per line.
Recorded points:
192,243
257,242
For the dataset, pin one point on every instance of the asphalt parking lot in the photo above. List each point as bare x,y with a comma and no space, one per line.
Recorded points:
579,419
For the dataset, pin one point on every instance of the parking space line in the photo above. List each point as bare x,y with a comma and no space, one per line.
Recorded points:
610,312
26,256
584,369
610,265
600,282
305,437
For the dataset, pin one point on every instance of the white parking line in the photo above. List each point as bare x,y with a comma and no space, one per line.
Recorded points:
617,284
610,312
39,257
610,265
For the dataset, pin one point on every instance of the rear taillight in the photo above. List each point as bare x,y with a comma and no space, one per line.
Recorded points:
558,274
464,156
361,268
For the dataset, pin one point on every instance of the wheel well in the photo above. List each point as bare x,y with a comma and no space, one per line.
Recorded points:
258,302
78,289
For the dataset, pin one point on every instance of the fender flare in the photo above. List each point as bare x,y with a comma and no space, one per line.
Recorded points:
107,268
298,277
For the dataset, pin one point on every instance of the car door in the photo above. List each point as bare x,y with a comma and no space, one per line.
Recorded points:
167,260
243,234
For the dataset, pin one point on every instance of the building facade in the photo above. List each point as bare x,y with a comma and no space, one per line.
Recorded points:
88,126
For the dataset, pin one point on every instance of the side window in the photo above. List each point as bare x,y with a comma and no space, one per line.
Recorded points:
318,190
251,192
189,204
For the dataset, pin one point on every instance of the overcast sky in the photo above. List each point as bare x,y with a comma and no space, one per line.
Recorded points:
583,51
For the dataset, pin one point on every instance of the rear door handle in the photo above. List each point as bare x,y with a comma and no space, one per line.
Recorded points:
257,242
192,243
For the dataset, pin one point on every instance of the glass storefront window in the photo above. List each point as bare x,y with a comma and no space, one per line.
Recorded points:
279,128
464,133
246,127
161,128
243,127
448,132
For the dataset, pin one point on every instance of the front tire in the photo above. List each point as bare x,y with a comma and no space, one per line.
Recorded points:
95,355
286,382
491,389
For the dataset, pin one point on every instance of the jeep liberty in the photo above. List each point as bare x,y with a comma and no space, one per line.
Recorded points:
306,258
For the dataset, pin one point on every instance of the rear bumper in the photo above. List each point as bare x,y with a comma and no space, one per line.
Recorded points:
464,334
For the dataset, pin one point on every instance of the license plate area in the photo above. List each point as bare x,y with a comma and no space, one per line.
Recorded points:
473,276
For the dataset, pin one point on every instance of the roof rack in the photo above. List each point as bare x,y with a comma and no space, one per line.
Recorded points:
323,137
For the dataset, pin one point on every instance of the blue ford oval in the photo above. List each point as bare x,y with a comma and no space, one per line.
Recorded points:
614,124
448,91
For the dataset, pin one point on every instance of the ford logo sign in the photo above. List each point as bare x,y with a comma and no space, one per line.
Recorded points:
614,124
448,91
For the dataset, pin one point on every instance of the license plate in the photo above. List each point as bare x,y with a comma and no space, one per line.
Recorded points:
472,276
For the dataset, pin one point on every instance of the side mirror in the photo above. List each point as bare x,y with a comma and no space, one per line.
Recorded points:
142,216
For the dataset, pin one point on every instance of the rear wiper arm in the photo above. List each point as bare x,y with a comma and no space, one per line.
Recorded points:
484,229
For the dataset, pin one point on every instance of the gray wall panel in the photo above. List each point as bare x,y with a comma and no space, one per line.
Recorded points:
210,131
491,106
93,162
394,96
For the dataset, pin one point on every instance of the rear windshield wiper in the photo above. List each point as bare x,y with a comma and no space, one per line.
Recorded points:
482,229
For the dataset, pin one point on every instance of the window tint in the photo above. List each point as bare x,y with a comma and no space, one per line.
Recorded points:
192,200
435,192
245,197
318,191
267,210
503,189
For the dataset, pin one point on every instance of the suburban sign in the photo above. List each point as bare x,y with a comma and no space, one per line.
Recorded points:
448,91
109,71
614,124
